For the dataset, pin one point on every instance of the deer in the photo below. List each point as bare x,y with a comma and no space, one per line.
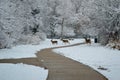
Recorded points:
54,42
87,41
65,41
71,39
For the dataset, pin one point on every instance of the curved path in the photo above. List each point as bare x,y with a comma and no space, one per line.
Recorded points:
60,67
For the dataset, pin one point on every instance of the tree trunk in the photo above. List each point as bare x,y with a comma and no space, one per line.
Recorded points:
62,28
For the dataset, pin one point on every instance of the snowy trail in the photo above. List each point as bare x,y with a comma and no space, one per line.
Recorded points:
60,67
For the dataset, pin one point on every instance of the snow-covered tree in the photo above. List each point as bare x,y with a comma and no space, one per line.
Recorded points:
20,18
30,21
108,14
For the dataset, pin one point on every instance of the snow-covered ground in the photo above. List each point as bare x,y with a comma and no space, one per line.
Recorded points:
92,55
25,51
22,72
96,56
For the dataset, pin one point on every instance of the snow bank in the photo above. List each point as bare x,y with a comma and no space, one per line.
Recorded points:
95,56
25,51
22,72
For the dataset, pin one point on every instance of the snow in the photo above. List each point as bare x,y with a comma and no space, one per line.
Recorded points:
25,51
22,72
95,56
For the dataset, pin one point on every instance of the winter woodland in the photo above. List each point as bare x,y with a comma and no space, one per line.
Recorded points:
32,21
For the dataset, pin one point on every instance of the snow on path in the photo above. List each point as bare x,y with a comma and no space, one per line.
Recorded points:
22,72
95,56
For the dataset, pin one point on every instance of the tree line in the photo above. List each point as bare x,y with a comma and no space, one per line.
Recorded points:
31,21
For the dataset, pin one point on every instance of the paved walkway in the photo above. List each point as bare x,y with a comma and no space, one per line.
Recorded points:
60,67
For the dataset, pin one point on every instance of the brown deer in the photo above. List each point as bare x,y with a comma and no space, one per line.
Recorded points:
87,41
71,39
65,41
54,42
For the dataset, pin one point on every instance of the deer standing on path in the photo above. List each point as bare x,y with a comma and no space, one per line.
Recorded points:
87,41
65,41
54,42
